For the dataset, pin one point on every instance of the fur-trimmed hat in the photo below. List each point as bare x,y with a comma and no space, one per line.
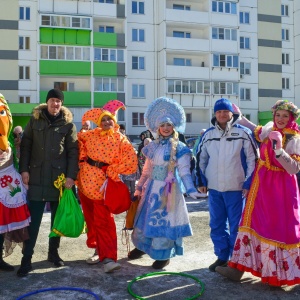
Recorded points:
165,110
223,104
55,93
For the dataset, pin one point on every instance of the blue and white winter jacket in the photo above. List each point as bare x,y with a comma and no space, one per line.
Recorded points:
226,158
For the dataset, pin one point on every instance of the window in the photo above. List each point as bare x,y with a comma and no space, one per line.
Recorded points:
182,62
224,34
64,86
181,7
138,35
245,68
224,7
285,83
228,61
65,53
138,63
24,72
245,94
106,1
24,99
138,119
107,84
107,29
225,88
138,91
24,42
284,10
137,7
244,17
65,21
181,34
244,42
285,34
24,13
188,117
102,54
285,59
188,87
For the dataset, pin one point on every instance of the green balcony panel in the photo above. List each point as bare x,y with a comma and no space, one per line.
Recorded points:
83,37
20,121
264,117
101,98
21,113
104,39
106,69
67,68
58,36
46,35
72,98
62,36
71,37
22,108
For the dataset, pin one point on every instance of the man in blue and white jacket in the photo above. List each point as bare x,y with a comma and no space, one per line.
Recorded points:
226,160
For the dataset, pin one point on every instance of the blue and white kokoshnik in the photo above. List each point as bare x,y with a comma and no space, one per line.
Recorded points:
165,110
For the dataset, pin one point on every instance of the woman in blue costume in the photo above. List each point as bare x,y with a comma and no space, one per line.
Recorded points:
162,218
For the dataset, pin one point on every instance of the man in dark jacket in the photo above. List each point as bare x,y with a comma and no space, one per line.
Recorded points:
48,149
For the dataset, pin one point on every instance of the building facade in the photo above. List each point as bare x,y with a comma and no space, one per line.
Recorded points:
193,51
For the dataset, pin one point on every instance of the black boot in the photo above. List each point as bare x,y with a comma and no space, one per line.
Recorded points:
5,266
53,252
159,264
26,266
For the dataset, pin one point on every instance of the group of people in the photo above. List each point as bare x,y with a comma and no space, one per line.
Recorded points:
254,202
261,235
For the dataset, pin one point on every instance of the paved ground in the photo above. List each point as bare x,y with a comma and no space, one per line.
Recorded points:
76,273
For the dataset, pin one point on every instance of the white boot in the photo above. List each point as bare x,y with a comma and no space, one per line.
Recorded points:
94,259
110,265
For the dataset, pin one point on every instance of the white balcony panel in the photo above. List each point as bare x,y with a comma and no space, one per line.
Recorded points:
224,20
200,45
224,46
184,16
187,72
65,7
105,10
226,74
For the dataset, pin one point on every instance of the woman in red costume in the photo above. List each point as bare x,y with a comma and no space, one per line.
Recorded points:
104,152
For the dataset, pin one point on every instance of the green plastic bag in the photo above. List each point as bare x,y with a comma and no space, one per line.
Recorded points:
69,219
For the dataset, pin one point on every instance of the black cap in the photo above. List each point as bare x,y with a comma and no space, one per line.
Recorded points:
55,93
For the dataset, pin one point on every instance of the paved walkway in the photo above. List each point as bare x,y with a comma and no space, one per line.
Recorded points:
76,273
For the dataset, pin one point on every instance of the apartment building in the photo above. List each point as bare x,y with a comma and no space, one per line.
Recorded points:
193,51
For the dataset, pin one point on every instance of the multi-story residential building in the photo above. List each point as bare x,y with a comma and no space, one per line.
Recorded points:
194,51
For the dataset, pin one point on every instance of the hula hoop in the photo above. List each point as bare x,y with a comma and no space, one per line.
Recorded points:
164,273
59,289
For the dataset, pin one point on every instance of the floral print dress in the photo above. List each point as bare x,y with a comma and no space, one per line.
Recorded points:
268,242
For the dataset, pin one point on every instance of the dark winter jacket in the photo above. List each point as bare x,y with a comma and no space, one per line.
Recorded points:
47,151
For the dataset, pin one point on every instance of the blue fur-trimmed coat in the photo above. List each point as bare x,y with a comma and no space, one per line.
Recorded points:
158,232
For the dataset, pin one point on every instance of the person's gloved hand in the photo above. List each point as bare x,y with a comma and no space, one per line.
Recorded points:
236,109
276,136
137,193
196,195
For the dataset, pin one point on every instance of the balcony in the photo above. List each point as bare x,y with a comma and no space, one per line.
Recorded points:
181,72
184,16
199,45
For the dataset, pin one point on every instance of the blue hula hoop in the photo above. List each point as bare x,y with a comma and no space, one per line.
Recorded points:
59,289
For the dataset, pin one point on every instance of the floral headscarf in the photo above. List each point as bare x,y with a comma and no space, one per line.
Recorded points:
293,111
